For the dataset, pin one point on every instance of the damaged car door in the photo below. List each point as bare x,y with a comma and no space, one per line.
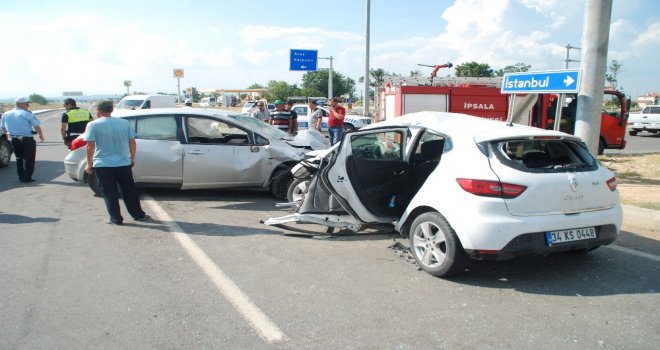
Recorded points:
371,175
219,154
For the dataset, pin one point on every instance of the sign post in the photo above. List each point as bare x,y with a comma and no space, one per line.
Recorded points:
178,74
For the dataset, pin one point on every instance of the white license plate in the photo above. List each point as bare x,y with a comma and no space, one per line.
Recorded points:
572,235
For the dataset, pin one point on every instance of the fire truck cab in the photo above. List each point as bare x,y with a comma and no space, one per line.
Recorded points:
481,97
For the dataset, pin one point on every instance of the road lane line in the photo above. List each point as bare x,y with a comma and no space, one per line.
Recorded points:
250,312
633,252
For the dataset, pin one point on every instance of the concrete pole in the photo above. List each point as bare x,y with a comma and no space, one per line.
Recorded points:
593,62
330,81
365,100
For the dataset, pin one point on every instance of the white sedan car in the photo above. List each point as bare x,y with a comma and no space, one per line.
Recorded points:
352,122
462,187
194,148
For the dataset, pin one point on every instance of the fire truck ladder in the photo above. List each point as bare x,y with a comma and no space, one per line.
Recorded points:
445,81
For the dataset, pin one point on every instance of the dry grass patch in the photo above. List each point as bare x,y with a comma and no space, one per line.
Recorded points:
638,177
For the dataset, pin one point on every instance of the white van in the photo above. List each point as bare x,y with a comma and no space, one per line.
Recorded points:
146,102
208,102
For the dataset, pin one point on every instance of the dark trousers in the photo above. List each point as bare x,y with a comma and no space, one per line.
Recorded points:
25,150
112,180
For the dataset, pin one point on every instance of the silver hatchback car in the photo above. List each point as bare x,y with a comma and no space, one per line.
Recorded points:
190,148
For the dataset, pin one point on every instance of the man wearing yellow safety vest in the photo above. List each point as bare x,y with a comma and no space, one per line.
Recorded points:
74,121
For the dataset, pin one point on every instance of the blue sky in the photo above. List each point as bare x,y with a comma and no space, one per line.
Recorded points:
93,46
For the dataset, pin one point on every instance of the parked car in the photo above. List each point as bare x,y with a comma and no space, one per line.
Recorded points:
199,148
5,149
464,188
352,122
208,102
646,120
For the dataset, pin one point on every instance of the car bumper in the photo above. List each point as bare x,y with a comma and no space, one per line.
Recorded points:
74,166
535,244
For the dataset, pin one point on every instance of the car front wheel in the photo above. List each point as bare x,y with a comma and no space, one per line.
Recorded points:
632,132
280,184
435,246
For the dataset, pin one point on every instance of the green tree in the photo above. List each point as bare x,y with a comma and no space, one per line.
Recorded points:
415,73
613,76
377,77
474,69
518,67
255,86
315,83
36,98
280,90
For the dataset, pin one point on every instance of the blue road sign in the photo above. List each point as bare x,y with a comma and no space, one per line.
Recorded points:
559,81
303,59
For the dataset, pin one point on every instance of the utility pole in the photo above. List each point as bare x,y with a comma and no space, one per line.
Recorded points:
365,100
329,76
593,62
568,55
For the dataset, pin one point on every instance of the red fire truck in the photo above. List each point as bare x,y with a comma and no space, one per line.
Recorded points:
481,97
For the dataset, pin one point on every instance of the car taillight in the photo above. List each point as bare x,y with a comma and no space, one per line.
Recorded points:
491,188
611,183
77,143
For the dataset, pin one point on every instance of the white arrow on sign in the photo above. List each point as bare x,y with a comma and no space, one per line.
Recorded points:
303,67
569,81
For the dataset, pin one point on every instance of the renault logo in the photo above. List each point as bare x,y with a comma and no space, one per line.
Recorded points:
574,184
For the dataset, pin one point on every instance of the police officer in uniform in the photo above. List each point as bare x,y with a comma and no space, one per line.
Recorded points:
19,123
74,121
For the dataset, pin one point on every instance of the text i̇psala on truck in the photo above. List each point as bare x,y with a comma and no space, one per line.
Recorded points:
481,97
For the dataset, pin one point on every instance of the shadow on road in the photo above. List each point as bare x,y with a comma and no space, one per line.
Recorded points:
599,273
20,219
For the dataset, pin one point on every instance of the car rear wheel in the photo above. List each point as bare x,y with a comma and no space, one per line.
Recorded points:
280,184
93,183
296,191
632,133
5,152
435,246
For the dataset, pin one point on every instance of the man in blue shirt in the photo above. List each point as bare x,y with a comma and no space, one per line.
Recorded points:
111,150
19,124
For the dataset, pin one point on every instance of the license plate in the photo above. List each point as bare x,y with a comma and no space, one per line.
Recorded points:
572,235
302,125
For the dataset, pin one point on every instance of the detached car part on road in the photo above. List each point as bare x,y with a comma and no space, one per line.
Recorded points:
462,187
197,148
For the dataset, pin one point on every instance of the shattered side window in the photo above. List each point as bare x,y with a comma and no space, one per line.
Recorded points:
379,145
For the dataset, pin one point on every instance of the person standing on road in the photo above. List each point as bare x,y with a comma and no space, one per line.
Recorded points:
335,120
19,123
281,118
111,150
262,112
294,116
316,116
74,121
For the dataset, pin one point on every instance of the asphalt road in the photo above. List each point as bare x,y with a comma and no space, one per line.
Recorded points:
644,142
207,274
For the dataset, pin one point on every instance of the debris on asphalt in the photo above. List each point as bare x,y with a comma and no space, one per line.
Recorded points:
404,253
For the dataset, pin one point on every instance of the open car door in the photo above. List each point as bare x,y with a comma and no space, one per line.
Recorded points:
371,176
366,180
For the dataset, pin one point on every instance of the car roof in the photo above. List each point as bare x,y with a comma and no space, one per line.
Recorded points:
462,125
153,111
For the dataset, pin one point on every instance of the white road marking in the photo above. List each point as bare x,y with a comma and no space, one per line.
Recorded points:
250,312
633,252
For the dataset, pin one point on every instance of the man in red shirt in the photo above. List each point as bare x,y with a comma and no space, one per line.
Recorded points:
335,121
